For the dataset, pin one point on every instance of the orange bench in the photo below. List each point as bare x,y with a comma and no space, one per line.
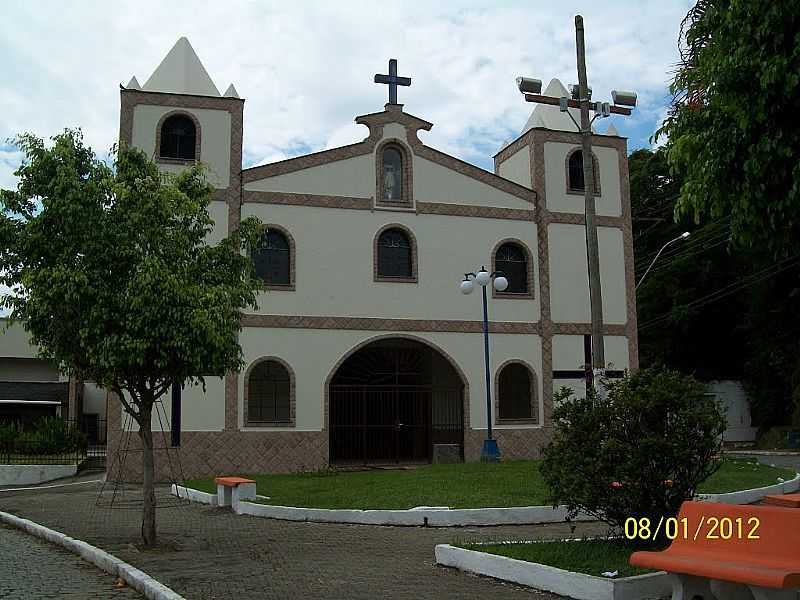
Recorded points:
714,568
787,500
230,490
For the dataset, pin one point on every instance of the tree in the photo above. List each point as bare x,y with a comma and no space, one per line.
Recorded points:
113,280
731,131
639,452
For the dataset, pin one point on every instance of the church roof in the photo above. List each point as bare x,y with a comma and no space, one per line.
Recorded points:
551,117
181,72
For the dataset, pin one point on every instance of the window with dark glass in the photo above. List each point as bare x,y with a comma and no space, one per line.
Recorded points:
514,395
392,188
575,173
394,254
269,389
178,138
512,261
272,258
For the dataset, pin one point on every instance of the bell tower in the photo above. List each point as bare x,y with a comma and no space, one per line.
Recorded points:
178,117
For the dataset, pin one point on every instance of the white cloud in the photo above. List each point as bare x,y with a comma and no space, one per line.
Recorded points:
306,68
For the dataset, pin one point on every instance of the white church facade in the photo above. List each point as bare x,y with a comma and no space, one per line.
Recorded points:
362,349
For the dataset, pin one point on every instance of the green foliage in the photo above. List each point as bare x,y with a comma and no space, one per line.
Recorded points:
656,433
731,132
49,435
115,281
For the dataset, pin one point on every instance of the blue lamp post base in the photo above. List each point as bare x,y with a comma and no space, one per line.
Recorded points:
490,452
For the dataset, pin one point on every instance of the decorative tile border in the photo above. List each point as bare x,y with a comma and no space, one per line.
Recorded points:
313,200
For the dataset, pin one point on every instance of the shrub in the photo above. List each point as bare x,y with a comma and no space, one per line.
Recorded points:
639,452
49,435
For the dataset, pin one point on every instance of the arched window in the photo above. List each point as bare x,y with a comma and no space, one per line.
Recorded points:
394,255
515,393
178,138
273,258
575,173
392,169
269,391
512,261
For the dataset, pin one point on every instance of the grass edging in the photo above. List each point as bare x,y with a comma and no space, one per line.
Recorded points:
553,579
133,577
754,494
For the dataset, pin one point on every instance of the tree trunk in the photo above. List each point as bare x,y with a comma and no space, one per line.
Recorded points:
148,476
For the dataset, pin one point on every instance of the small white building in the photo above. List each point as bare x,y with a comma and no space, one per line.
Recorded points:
362,348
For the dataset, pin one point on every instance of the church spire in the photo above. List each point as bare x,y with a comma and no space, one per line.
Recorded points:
181,72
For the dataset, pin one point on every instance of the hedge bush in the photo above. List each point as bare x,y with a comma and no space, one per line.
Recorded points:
640,451
49,435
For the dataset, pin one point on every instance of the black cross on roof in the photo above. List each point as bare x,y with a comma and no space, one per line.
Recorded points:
393,80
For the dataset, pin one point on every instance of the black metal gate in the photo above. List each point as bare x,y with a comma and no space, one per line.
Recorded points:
392,423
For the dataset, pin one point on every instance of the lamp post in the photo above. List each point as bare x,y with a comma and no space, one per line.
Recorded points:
682,236
490,452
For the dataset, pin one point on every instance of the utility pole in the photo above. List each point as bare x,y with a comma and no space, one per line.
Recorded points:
623,102
592,252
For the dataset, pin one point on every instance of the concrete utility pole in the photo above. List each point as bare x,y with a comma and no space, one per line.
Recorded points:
592,252
531,88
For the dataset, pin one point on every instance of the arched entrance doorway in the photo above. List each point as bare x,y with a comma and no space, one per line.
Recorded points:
392,401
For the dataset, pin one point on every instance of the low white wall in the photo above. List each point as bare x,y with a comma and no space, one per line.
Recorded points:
33,474
552,579
753,495
194,495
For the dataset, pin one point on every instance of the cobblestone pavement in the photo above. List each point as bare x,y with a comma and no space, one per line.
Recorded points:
31,568
211,553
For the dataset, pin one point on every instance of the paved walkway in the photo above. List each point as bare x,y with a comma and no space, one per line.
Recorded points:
210,553
32,568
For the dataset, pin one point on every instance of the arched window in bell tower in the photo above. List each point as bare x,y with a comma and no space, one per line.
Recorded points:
178,138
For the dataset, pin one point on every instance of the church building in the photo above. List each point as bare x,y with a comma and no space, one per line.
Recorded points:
363,349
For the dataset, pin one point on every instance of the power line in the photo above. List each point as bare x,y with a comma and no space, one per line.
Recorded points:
703,242
731,288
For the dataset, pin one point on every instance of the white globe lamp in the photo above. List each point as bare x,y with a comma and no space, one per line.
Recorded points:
483,277
467,287
500,283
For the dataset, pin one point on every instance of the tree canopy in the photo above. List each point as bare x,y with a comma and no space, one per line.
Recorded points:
731,132
113,277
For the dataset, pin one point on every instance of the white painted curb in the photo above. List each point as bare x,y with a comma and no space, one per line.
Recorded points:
414,517
194,495
552,579
34,474
753,495
138,580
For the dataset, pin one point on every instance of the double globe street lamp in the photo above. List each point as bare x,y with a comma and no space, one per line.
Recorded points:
490,451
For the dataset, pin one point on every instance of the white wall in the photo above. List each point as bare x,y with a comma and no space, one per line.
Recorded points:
569,283
558,200
15,341
334,264
517,168
215,138
733,398
312,355
353,177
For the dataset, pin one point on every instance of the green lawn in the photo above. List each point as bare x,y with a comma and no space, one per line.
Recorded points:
470,485
592,557
743,474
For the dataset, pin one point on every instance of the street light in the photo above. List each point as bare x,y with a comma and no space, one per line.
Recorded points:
490,452
682,236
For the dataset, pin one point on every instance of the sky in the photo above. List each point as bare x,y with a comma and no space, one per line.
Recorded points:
305,68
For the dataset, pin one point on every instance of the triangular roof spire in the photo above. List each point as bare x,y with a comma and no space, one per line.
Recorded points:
612,130
181,72
551,117
231,92
133,84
